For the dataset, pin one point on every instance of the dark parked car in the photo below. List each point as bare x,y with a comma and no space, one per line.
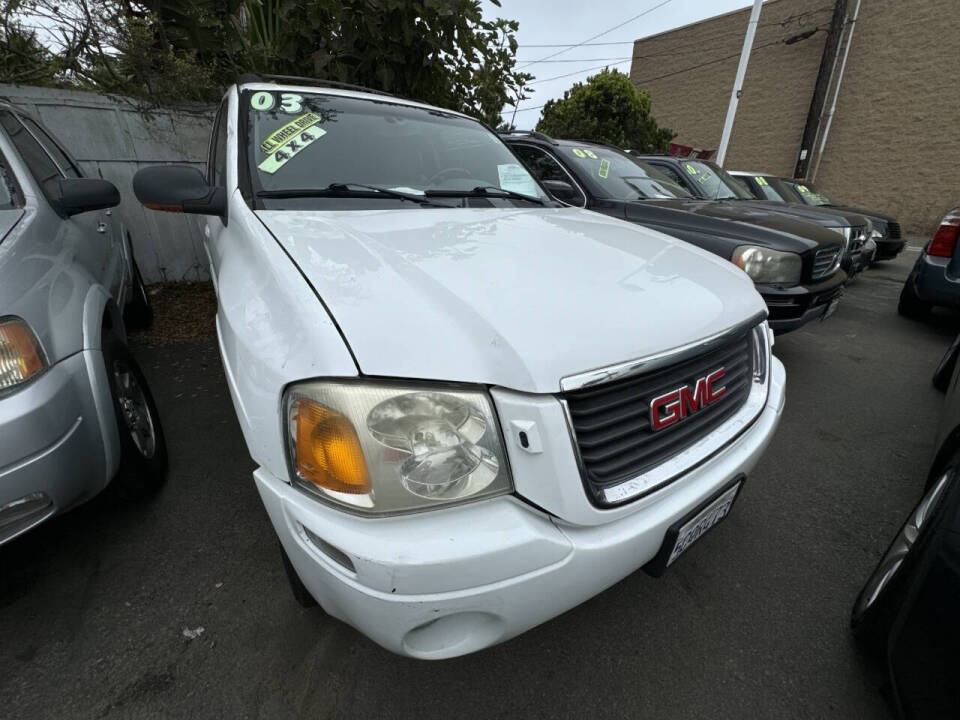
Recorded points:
907,616
707,180
935,277
886,229
795,265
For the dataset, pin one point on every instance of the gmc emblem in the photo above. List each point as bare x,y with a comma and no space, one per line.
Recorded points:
674,406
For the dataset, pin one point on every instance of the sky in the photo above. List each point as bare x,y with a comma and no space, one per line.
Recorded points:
573,21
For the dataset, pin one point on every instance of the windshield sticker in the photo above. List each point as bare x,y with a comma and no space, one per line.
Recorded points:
289,102
590,154
514,178
703,178
579,153
761,180
690,168
290,130
803,188
604,168
282,155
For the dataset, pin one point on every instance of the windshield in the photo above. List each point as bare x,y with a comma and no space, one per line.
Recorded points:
773,188
715,183
310,141
812,195
619,177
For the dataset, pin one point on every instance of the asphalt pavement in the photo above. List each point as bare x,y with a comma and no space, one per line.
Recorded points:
96,607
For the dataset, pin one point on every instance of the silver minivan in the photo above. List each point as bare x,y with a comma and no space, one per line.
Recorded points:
75,410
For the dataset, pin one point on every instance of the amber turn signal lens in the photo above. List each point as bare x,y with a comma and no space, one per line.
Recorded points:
20,356
328,450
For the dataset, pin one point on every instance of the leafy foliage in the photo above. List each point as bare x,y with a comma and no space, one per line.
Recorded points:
23,58
439,51
607,108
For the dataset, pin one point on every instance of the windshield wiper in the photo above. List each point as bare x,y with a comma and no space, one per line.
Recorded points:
342,189
483,191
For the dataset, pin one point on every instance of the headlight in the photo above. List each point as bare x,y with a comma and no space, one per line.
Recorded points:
387,448
20,354
768,266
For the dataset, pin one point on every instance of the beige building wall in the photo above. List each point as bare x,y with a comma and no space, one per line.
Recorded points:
895,138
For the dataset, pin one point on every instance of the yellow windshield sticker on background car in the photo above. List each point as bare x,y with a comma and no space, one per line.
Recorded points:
604,168
803,188
579,153
590,154
761,180
284,153
703,178
290,130
691,169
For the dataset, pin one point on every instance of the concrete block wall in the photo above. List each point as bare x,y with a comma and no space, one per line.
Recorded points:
895,135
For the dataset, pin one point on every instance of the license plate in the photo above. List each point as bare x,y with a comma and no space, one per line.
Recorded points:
685,532
831,309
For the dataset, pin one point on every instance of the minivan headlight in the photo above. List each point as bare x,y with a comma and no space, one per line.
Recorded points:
764,265
384,448
21,356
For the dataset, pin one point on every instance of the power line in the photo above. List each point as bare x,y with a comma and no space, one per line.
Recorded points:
583,44
585,60
578,72
675,72
600,34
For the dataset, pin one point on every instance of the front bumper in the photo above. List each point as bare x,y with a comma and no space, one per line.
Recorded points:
793,307
449,582
53,454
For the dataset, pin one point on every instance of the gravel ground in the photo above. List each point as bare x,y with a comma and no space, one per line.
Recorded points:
101,610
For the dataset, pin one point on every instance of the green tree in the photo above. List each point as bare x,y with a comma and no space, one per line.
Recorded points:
23,58
606,108
443,52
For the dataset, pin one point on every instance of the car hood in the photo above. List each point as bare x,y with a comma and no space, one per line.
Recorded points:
824,216
758,225
875,217
515,298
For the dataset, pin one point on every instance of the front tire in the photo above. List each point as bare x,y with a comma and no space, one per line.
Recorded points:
143,449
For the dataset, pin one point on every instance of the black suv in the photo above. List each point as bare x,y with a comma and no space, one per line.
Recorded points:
794,265
886,229
707,180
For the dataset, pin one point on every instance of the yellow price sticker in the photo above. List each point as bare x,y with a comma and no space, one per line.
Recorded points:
691,169
604,170
579,153
293,128
761,180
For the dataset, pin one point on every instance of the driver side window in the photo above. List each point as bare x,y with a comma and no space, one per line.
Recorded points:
543,166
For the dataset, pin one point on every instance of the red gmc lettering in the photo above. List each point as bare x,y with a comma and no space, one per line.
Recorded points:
675,405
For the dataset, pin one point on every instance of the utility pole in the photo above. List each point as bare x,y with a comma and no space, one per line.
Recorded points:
738,82
828,67
812,174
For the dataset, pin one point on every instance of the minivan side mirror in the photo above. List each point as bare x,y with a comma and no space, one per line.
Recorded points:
79,195
178,188
562,190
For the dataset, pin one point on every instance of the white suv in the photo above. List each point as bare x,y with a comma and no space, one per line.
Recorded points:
472,408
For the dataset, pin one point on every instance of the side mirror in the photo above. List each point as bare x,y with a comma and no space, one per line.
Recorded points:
178,188
78,195
562,190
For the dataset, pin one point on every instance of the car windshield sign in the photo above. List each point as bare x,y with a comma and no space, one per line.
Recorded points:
812,195
714,181
618,177
335,149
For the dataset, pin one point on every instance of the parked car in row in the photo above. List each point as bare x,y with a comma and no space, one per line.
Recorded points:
75,410
907,616
708,181
935,277
471,408
886,230
794,265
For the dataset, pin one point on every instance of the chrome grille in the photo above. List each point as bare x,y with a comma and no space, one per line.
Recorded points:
825,261
611,422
